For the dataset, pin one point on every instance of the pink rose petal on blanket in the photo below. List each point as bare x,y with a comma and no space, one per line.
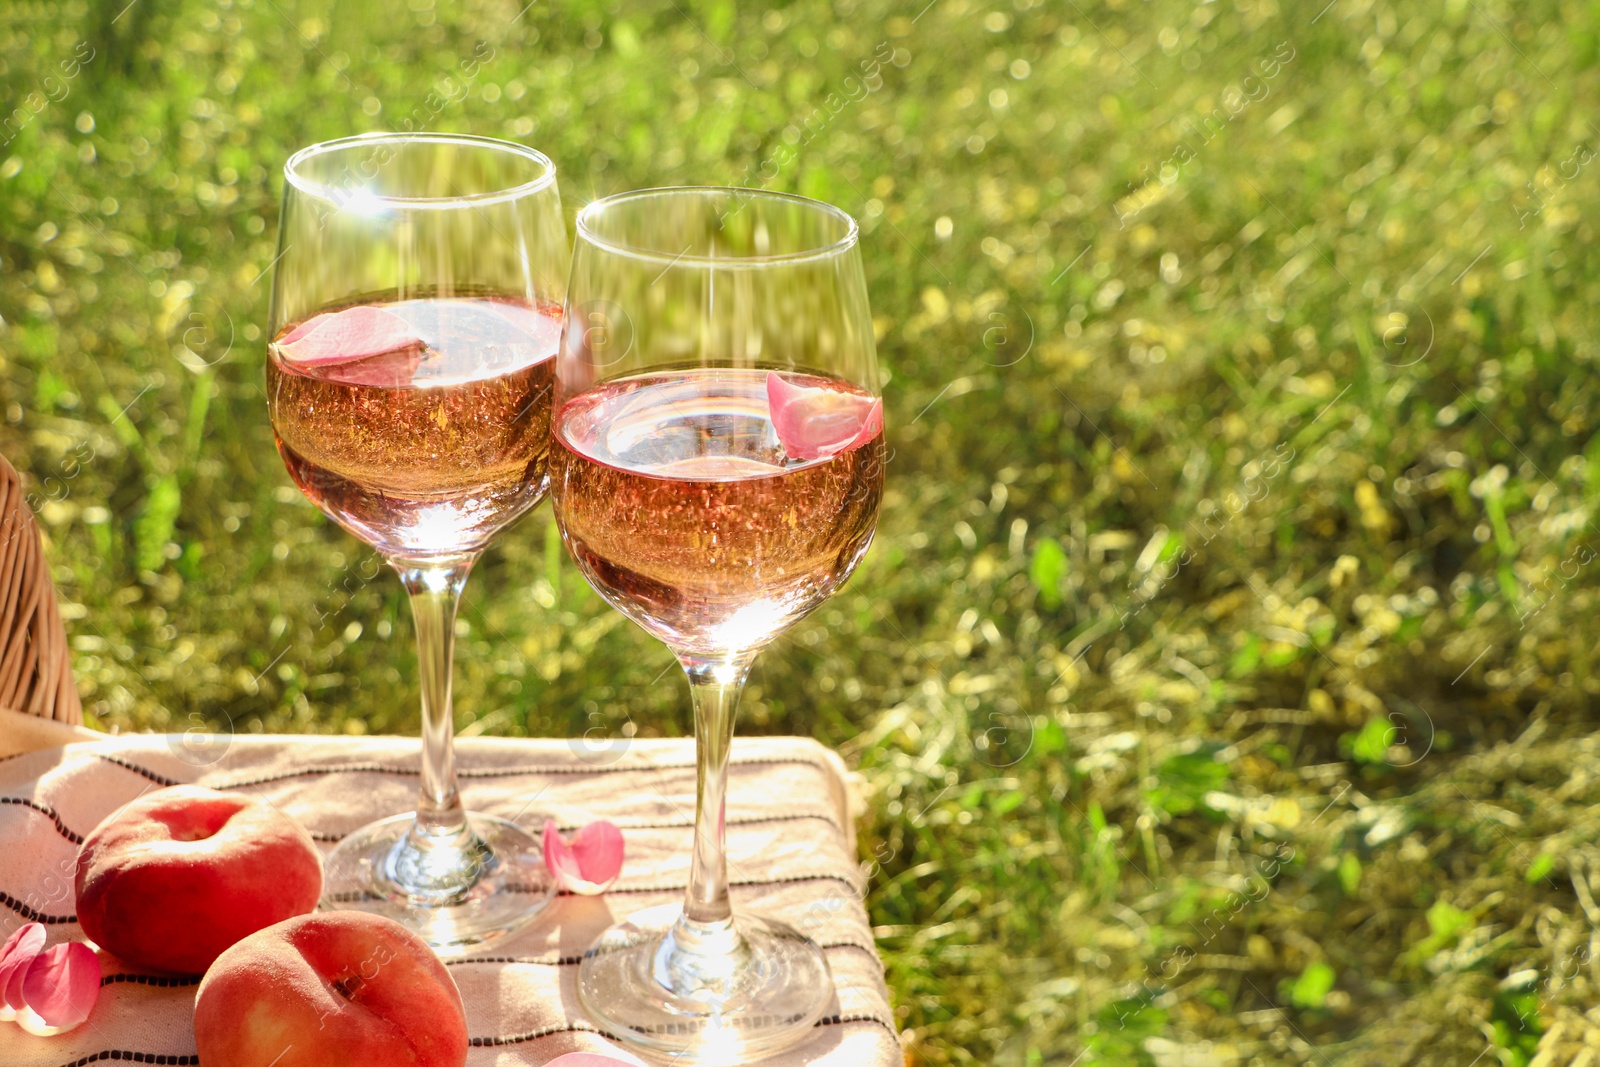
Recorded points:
16,956
344,336
590,863
812,423
60,989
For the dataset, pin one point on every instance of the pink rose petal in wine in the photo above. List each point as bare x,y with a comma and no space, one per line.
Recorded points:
60,989
392,370
348,335
590,863
812,423
871,426
305,327
16,956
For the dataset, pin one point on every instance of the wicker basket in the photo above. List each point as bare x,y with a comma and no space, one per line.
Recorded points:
35,664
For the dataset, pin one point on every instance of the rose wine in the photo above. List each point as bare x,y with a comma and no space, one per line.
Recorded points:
421,426
684,509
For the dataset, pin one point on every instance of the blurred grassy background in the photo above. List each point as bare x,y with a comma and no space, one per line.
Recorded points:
1224,671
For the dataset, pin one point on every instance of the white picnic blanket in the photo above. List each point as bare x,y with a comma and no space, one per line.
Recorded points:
791,854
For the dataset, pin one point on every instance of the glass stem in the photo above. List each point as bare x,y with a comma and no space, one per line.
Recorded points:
434,589
715,686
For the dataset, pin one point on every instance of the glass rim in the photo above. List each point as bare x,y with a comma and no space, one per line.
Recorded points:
590,211
330,192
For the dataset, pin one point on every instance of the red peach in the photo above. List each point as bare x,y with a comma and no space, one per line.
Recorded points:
173,878
330,990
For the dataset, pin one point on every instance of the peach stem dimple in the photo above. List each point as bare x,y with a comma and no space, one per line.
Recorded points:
181,829
347,987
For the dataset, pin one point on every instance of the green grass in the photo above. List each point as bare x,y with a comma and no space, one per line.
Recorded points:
1224,671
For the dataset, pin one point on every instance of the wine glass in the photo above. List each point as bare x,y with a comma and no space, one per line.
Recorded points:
416,311
717,465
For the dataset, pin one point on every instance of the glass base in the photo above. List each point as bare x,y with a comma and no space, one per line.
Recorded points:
457,892
710,995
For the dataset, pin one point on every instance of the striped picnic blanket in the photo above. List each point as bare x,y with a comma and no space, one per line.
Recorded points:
791,855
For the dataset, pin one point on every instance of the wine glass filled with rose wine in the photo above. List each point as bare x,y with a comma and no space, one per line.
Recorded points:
717,464
416,311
